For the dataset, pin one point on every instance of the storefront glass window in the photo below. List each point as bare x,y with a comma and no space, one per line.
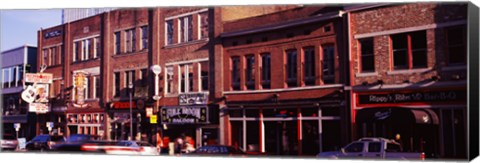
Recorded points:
253,136
330,134
310,112
236,113
310,140
252,113
330,111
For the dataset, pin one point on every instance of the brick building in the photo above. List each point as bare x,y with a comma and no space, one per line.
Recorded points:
283,81
408,75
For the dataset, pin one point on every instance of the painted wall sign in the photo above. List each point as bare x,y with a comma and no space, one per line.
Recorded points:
431,96
192,98
38,78
184,114
38,108
79,84
52,34
123,105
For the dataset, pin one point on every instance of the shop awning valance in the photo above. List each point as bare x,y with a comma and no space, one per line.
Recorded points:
396,115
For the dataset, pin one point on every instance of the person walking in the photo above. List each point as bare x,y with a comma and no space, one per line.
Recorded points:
159,142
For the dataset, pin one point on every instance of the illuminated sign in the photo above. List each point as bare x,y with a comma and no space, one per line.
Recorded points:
184,114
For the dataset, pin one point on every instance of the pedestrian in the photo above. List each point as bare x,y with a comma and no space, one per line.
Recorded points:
159,142
189,144
179,145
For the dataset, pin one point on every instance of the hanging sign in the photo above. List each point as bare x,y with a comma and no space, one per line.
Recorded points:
153,119
38,78
80,84
38,108
192,98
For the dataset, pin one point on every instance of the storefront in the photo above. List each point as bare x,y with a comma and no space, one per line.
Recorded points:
89,123
199,122
119,119
286,128
428,120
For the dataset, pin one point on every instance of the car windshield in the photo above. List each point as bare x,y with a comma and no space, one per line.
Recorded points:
40,138
8,137
78,138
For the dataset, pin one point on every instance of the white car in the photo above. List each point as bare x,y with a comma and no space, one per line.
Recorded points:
8,142
131,148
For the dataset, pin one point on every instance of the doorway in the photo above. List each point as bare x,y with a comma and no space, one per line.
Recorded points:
281,137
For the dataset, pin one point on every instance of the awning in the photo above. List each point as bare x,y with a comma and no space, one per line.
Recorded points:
396,115
15,119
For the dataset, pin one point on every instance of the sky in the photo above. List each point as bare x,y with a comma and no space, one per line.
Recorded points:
19,27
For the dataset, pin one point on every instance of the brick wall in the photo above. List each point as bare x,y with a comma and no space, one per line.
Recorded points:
398,17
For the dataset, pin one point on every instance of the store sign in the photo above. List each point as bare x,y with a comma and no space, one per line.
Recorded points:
16,126
80,84
52,34
123,105
184,114
192,98
153,119
38,108
382,115
39,78
433,96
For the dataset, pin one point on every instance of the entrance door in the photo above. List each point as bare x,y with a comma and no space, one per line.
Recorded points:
281,137
209,136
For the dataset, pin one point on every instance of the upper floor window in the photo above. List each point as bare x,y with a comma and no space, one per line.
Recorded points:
328,68
97,89
54,56
144,76
235,73
144,37
291,68
367,59
45,57
250,72
117,84
75,51
203,25
169,79
130,40
266,70
129,79
169,31
117,43
409,50
309,65
186,32
186,80
456,45
85,49
12,76
96,49
204,71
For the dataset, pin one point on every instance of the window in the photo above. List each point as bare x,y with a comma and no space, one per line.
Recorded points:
355,147
75,52
456,45
144,74
117,43
266,71
186,29
203,25
97,50
235,73
393,148
97,89
20,75
169,26
54,56
250,72
409,50
328,72
374,146
45,55
130,40
367,58
169,81
85,49
204,69
144,37
291,68
87,85
186,81
130,78
117,84
309,65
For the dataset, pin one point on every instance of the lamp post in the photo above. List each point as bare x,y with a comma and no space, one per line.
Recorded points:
130,86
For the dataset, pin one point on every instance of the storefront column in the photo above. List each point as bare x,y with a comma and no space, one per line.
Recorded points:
244,123
223,124
442,146
261,133
320,129
299,131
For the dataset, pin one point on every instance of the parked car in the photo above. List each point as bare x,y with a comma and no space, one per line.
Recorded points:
218,150
44,142
8,142
73,143
373,148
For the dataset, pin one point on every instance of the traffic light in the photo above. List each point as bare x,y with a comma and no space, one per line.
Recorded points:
67,95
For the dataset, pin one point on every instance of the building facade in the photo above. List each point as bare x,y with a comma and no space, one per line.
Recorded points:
284,83
409,75
15,63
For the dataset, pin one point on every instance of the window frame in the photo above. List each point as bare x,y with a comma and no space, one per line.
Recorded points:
144,37
250,70
330,75
409,51
202,25
266,70
235,73
362,55
169,32
118,39
309,65
448,45
291,67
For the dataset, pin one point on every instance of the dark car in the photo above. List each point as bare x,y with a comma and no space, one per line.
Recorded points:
73,143
8,142
44,142
218,150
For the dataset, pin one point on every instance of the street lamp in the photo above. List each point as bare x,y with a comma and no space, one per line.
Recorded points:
130,86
